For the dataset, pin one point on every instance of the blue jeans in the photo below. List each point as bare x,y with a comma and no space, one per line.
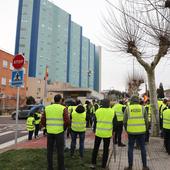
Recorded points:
140,139
81,142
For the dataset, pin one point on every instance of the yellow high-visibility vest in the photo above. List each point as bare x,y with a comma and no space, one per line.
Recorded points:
148,106
162,107
166,119
39,118
104,117
78,121
136,122
118,111
30,123
54,118
71,108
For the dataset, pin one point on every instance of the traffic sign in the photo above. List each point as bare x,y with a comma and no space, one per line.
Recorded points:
18,61
17,78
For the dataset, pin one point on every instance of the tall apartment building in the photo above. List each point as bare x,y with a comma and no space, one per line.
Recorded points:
84,62
47,37
75,55
91,67
97,68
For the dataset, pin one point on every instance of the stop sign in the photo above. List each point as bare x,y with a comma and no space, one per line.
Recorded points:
18,61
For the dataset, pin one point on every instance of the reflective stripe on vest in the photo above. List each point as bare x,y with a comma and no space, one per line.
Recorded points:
30,124
78,123
54,118
136,122
118,111
166,119
104,127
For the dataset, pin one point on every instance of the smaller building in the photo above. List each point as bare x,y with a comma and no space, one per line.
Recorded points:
7,92
167,93
81,93
41,91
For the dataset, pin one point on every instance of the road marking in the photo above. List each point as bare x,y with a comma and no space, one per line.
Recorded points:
12,142
5,133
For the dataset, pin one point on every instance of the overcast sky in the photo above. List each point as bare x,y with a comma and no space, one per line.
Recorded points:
86,13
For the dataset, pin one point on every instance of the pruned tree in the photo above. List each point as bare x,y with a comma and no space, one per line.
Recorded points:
134,82
141,29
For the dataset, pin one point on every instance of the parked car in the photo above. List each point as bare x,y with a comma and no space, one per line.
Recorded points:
24,112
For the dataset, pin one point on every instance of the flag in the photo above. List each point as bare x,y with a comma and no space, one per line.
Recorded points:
46,73
145,98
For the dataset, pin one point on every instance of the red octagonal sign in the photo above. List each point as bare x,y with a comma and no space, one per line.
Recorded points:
18,61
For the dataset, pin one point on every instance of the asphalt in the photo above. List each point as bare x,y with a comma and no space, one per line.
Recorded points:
157,158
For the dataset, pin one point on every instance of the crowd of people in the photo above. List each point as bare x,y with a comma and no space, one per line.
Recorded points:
107,122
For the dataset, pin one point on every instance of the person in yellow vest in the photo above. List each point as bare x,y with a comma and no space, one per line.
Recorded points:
30,126
71,108
148,110
136,123
78,128
105,120
95,106
119,111
166,128
37,117
162,107
89,112
56,120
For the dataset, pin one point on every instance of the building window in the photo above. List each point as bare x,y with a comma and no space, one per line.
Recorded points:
11,66
24,70
3,81
23,38
38,90
23,29
5,64
10,82
22,45
24,20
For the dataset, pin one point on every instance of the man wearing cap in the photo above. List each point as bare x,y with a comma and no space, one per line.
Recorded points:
136,123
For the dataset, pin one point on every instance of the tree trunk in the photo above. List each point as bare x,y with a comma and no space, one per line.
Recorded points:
153,102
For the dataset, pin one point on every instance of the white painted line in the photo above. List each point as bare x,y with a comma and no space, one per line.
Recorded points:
12,142
5,116
5,133
24,131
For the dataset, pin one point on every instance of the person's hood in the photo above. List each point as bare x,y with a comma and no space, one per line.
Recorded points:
80,109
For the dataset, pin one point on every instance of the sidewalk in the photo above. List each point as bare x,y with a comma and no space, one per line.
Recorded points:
157,158
41,142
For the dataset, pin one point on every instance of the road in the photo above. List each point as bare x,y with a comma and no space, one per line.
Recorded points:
7,130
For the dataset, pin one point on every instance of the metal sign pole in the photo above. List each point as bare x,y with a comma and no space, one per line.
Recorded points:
16,130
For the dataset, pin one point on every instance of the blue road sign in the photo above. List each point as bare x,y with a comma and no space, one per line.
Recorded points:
17,78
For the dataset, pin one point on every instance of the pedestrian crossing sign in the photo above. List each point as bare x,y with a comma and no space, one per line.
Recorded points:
17,78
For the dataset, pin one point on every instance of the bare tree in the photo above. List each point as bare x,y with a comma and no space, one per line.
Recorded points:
134,82
140,29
